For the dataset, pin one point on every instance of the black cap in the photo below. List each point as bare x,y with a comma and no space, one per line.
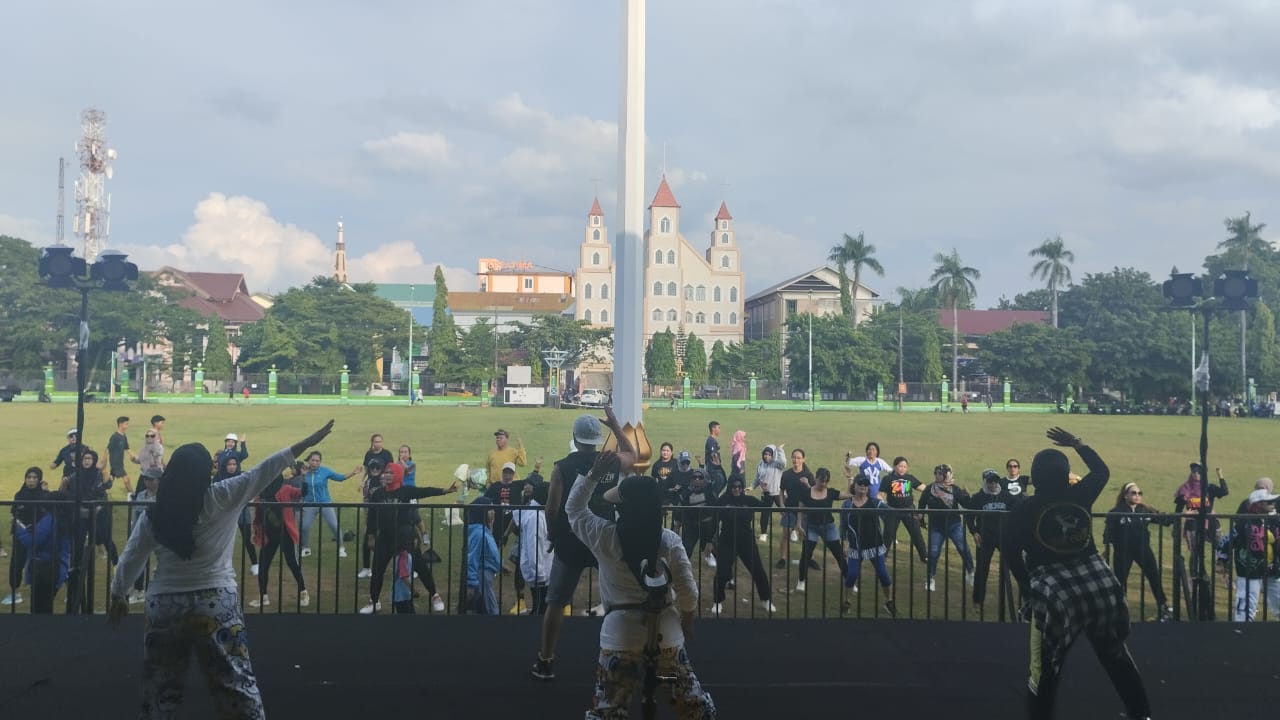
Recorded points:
862,479
991,476
1195,467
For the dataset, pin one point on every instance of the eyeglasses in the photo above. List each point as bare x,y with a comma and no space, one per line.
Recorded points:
151,434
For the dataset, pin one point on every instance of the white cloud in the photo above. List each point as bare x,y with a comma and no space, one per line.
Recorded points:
412,152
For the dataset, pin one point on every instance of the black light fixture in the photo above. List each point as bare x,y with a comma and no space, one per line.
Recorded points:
1182,289
1235,288
59,268
113,270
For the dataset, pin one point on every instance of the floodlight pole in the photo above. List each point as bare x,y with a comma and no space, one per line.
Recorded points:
1200,537
75,579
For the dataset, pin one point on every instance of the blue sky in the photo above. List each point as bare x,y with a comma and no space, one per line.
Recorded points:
443,132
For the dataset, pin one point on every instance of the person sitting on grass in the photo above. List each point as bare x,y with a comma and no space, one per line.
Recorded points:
483,560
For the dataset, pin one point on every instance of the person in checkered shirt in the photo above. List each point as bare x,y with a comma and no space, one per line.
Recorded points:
1067,589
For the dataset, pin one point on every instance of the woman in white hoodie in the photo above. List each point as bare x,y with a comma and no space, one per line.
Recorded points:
769,480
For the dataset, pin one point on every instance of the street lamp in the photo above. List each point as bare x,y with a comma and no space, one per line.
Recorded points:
1233,289
112,271
810,351
410,356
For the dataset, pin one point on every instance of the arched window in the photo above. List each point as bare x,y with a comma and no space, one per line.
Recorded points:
724,238
733,318
671,257
586,315
671,289
604,291
586,291
657,314
595,235
671,315
715,294
657,289
724,261
688,292
724,224
688,317
700,318
604,316
657,257
715,319
665,225
701,294
595,258
595,220
733,294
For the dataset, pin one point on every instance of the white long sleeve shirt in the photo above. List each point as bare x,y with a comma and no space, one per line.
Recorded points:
624,629
215,532
535,561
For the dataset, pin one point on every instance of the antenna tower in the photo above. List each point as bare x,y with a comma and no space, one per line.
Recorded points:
93,203
62,200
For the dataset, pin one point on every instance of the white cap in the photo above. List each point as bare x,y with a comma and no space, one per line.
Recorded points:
508,466
588,431
71,432
232,436
1258,496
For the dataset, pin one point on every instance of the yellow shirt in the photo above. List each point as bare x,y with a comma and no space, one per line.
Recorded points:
498,458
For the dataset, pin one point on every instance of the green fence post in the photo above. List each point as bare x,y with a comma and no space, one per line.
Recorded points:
344,385
945,388
124,380
685,390
198,385
751,390
272,377
879,396
48,380
1008,393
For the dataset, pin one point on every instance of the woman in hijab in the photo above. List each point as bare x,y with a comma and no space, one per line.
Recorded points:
275,530
229,467
944,496
738,454
737,540
192,601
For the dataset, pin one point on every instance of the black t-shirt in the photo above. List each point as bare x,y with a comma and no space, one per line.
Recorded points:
663,469
115,454
568,547
898,489
712,448
66,455
793,486
989,521
504,494
736,526
819,517
935,497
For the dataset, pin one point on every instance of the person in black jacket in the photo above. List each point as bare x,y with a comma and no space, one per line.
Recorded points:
1067,589
24,509
1127,538
992,502
737,540
697,520
389,512
945,497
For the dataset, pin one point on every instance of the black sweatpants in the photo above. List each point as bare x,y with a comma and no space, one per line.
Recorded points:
909,519
833,547
1123,558
17,562
283,543
384,551
246,540
982,562
727,550
1116,661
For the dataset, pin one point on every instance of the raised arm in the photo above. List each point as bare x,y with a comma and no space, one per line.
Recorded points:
235,492
588,526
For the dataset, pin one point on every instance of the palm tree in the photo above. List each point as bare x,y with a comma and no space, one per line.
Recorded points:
840,256
1053,268
954,282
1245,241
860,254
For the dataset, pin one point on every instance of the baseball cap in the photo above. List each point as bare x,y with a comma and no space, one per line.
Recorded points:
72,432
588,431
374,464
685,457
232,436
500,433
508,466
991,476
1195,467
638,487
942,469
1258,496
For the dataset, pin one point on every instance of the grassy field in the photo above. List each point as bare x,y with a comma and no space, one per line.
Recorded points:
1153,451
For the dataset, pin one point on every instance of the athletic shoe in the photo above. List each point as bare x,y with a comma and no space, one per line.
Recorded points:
716,609
711,560
968,578
518,608
136,597
263,601
813,564
543,669
437,603
891,608
768,606
730,584
371,608
253,569
855,587
306,552
795,536
929,585
1166,614
12,599
3,552
342,552
596,611
364,574
800,586
781,564
426,539
845,607
764,537
304,598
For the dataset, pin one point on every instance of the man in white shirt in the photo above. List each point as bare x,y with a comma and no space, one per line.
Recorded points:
631,552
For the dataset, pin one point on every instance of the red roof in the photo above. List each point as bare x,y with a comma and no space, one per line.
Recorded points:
724,213
221,294
984,322
595,208
664,198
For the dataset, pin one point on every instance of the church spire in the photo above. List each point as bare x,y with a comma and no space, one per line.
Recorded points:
340,257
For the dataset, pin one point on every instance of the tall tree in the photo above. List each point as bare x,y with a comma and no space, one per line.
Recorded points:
1245,242
443,351
217,355
1054,268
954,283
695,359
860,254
722,365
840,256
660,358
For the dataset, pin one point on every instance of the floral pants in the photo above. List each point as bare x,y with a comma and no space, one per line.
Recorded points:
210,623
620,674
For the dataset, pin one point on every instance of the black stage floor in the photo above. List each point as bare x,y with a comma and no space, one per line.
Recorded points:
473,668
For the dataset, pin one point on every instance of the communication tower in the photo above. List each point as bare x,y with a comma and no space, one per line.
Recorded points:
92,221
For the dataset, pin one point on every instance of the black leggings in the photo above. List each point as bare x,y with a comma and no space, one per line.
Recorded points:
383,552
833,547
766,516
17,563
102,534
1122,560
983,567
284,543
246,539
744,549
912,523
1115,658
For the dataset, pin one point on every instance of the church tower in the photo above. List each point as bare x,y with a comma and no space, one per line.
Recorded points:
340,257
593,283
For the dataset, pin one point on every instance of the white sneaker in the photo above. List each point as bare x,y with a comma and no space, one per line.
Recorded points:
437,603
253,569
136,597
342,552
306,552
968,578
855,587
768,605
596,611
304,598
717,609
711,560
800,586
264,601
928,585
795,536
371,608
764,537
12,599
426,539
364,573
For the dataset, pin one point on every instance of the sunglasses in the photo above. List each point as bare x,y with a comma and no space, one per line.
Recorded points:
151,435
